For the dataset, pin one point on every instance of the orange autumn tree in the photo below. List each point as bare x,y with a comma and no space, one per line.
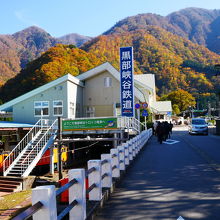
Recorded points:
52,64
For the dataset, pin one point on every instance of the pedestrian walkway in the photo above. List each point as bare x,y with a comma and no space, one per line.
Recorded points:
166,182
7,214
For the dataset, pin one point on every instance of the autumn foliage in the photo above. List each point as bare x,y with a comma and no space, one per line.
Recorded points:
54,63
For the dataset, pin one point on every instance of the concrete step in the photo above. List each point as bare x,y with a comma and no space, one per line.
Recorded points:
14,175
5,189
14,179
10,184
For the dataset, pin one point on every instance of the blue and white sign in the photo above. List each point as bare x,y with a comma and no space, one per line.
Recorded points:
126,81
169,114
145,113
137,105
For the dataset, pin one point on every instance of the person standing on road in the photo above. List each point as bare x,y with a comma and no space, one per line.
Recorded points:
160,132
155,127
170,128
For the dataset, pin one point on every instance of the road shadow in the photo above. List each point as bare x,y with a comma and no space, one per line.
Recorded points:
165,182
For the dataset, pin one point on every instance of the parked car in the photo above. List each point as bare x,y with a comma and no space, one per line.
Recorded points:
198,126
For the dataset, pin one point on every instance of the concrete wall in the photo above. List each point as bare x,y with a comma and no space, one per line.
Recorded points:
24,111
101,97
74,95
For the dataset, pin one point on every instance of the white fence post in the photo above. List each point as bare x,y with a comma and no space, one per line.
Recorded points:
47,195
133,147
95,178
121,152
138,143
77,192
106,169
126,147
130,150
115,163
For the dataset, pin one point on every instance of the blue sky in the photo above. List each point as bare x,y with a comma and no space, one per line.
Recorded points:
85,17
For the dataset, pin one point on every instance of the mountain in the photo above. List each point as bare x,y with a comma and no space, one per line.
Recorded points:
9,58
165,46
54,63
175,61
18,49
198,25
75,39
34,41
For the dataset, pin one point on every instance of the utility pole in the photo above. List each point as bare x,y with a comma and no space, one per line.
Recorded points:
59,148
209,109
217,68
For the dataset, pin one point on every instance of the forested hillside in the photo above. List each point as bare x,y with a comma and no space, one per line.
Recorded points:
54,63
18,49
201,26
175,61
161,47
75,39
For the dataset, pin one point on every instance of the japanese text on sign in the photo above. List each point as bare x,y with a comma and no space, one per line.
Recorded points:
127,84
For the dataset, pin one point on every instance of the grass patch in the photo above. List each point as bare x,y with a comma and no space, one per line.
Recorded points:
11,200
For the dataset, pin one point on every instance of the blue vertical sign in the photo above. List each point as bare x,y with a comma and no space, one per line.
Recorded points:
126,81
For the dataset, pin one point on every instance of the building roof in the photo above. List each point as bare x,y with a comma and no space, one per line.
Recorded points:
161,107
139,86
138,79
148,80
142,83
68,77
9,124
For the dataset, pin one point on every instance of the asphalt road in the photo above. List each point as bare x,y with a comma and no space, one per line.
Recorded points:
177,178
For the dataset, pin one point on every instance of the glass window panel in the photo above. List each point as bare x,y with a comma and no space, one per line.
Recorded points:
45,111
58,103
45,104
37,104
37,111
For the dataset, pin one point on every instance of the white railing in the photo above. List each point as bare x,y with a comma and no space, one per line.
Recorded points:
38,147
26,141
129,123
21,146
100,174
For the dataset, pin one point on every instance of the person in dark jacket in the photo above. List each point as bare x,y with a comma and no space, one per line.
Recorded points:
160,132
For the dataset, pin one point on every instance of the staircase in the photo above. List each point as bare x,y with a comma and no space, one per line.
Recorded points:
131,125
10,184
24,157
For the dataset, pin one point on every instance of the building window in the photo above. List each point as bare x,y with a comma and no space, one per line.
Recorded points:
41,108
72,109
107,82
58,108
90,111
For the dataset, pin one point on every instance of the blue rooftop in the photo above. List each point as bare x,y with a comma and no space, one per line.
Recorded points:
11,124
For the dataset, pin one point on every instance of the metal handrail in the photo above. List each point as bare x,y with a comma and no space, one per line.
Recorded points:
37,148
104,175
67,209
91,170
29,212
104,161
114,167
91,188
21,145
129,123
66,186
33,209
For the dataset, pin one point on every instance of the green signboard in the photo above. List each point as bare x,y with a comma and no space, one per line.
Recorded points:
89,124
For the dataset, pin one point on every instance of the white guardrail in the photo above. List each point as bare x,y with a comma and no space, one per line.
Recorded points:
100,174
